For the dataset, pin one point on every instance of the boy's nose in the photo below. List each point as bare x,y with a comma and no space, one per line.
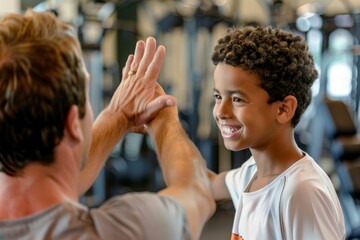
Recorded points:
223,111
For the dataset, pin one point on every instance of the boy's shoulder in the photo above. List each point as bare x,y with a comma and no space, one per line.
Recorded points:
306,177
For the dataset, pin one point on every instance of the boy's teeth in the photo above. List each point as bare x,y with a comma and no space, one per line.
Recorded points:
229,130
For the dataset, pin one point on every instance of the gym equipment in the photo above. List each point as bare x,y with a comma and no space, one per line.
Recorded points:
344,146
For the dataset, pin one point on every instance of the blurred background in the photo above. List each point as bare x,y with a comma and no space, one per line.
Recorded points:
328,131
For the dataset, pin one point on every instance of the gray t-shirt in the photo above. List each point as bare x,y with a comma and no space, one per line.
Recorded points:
139,216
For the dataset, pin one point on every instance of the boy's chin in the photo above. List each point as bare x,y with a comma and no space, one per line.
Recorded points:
233,147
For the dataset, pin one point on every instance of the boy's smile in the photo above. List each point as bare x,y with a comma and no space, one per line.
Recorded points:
229,131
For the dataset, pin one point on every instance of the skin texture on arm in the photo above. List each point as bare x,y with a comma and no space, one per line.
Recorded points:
183,168
133,104
218,186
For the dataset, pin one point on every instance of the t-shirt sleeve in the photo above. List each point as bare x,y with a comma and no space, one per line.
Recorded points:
141,216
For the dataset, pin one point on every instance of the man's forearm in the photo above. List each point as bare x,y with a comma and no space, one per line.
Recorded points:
107,131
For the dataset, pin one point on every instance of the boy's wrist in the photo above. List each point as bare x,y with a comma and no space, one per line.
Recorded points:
167,117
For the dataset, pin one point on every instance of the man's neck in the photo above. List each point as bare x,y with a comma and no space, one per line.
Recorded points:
37,189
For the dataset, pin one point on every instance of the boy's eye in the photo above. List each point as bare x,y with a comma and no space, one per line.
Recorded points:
236,99
217,96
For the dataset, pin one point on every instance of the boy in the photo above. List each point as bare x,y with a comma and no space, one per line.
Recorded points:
263,78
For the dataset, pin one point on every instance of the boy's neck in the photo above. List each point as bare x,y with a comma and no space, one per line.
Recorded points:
276,158
271,165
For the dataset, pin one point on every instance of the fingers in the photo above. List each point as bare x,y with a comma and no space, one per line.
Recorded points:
154,68
152,60
138,55
126,69
136,96
150,49
147,60
133,60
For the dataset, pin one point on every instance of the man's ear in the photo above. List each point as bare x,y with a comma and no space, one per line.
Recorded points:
72,127
287,109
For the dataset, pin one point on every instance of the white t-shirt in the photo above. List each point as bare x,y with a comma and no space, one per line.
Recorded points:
301,203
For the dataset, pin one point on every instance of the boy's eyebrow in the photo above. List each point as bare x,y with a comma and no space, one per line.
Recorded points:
235,92
230,92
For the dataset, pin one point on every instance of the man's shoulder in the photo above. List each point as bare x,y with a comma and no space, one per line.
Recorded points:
141,213
68,219
139,204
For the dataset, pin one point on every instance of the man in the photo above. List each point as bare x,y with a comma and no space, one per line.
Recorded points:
47,135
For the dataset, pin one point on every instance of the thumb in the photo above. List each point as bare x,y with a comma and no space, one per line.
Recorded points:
154,107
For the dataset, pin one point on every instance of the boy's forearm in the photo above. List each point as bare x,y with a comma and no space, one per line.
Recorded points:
184,170
178,157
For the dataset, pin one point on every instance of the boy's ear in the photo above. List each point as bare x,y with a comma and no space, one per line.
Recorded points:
287,109
72,128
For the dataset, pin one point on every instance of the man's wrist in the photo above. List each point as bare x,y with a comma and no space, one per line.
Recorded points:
115,119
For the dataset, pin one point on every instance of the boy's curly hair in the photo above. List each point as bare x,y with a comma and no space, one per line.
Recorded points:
281,60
